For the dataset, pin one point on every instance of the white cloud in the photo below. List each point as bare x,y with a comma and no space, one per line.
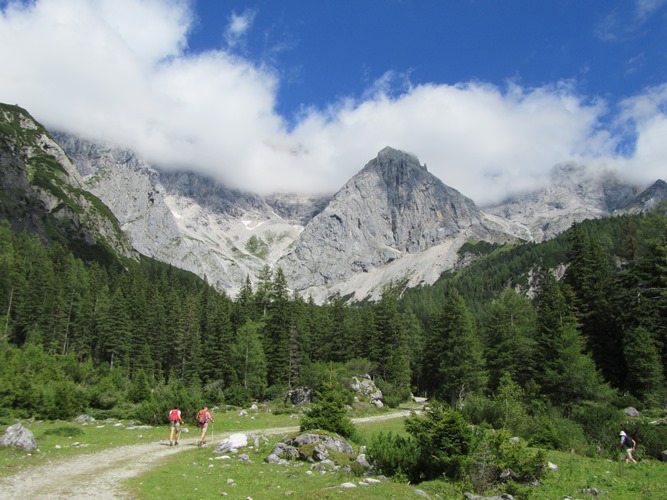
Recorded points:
645,116
646,8
239,25
123,74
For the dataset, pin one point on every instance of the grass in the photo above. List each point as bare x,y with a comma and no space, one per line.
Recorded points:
197,473
59,439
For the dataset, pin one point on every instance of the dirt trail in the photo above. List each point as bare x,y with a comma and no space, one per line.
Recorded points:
100,475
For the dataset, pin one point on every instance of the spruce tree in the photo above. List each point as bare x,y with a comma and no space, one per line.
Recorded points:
645,374
509,339
590,275
248,359
277,330
453,361
565,371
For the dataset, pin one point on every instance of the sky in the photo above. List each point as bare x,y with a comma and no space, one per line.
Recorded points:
297,96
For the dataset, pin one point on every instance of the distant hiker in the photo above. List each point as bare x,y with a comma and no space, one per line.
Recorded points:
203,418
175,422
629,445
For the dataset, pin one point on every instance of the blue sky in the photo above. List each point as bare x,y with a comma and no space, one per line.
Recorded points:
298,95
326,50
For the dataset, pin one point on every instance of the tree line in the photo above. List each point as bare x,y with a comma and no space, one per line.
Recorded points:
105,337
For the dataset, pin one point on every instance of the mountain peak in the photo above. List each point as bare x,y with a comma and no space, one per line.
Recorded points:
390,155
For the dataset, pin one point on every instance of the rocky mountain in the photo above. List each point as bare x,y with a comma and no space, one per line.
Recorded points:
191,221
647,199
392,222
575,193
43,193
386,216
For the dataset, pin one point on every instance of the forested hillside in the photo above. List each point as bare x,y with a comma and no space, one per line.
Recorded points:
116,340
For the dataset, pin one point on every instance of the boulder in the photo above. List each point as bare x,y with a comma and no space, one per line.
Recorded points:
631,412
300,396
282,450
363,461
330,442
231,444
20,437
663,456
366,388
320,452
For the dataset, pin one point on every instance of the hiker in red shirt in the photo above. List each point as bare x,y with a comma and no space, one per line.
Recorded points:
203,418
175,423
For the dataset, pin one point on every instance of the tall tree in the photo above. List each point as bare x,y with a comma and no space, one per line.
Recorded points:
453,361
590,275
567,373
277,331
393,360
248,360
509,338
645,374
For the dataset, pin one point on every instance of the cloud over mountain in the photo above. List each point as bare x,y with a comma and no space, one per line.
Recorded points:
125,73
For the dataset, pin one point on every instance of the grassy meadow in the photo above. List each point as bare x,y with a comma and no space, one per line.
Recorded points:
196,473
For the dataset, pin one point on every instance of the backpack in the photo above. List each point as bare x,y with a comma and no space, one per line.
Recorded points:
173,415
201,417
627,441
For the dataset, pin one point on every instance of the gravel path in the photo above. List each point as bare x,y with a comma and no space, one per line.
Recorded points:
101,475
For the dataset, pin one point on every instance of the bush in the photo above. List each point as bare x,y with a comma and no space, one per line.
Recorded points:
237,395
445,441
395,455
328,412
391,394
495,453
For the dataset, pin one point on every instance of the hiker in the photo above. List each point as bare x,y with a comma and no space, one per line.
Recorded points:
175,422
629,445
203,418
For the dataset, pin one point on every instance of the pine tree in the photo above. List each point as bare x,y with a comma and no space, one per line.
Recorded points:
590,275
393,361
509,338
248,359
645,374
566,373
277,331
453,362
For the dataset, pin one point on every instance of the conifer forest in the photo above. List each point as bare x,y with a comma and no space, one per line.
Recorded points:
549,339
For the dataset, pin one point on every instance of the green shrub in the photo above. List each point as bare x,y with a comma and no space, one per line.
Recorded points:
393,395
237,395
495,453
479,409
395,456
445,440
328,412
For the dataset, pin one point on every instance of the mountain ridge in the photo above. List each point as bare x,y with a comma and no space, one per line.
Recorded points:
393,221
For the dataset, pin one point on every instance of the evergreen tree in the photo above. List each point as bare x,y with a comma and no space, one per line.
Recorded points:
453,362
216,363
393,361
645,374
248,359
567,374
244,306
509,339
328,412
277,331
590,275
